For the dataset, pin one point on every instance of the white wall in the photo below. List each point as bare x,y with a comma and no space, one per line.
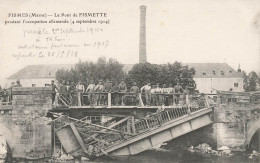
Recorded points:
28,82
210,85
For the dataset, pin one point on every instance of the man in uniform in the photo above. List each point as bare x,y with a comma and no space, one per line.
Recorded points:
158,90
4,95
170,97
153,95
107,89
80,89
123,89
53,91
147,90
98,89
135,90
18,84
177,89
164,91
73,94
115,94
63,91
90,90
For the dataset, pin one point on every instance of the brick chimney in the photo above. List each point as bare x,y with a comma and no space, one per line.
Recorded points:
142,41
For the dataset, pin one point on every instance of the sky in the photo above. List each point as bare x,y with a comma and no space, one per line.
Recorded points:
188,31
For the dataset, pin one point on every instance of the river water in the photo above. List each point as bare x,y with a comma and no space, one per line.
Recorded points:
165,156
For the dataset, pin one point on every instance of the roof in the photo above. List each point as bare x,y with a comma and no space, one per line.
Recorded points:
203,70
40,71
213,70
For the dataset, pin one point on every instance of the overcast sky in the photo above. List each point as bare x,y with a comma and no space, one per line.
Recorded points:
195,31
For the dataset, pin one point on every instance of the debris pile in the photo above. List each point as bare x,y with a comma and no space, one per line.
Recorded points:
61,157
3,148
254,155
205,148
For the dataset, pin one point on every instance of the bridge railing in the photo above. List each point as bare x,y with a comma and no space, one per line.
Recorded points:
146,124
110,99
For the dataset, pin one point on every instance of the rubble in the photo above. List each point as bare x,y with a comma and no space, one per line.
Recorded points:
254,155
63,157
205,148
3,148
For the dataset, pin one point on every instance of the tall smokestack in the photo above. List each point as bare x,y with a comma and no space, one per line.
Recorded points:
142,41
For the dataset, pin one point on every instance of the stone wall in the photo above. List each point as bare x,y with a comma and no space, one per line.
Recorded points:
231,117
25,128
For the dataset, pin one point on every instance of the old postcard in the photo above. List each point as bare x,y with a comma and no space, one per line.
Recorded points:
129,81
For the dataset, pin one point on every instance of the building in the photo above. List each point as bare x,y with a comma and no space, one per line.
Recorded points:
37,75
210,77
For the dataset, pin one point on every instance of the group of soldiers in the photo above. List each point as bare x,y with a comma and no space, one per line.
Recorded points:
6,93
97,94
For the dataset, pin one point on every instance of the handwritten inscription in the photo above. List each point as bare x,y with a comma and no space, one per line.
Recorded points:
40,38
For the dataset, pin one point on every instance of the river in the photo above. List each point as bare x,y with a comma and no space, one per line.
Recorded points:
165,156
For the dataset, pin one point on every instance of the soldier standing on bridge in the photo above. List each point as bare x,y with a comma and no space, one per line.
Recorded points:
147,90
63,91
170,97
115,94
73,94
177,89
164,91
153,95
80,89
123,89
53,91
90,89
107,89
135,90
18,84
98,89
158,90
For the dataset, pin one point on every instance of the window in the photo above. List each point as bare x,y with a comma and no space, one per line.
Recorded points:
235,84
230,71
222,73
214,72
204,73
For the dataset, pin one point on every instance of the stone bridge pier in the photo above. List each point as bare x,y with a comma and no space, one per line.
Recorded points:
237,121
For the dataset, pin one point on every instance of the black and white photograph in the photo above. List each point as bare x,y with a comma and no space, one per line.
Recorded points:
170,81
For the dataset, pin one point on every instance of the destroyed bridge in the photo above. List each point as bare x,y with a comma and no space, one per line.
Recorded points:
93,131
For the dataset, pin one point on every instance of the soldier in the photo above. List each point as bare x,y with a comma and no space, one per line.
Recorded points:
147,90
99,88
4,95
163,96
18,84
158,90
107,89
170,97
123,89
53,91
177,89
73,94
115,94
63,91
90,89
80,89
135,90
153,95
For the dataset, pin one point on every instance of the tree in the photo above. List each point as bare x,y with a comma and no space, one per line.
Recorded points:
164,74
250,81
86,71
